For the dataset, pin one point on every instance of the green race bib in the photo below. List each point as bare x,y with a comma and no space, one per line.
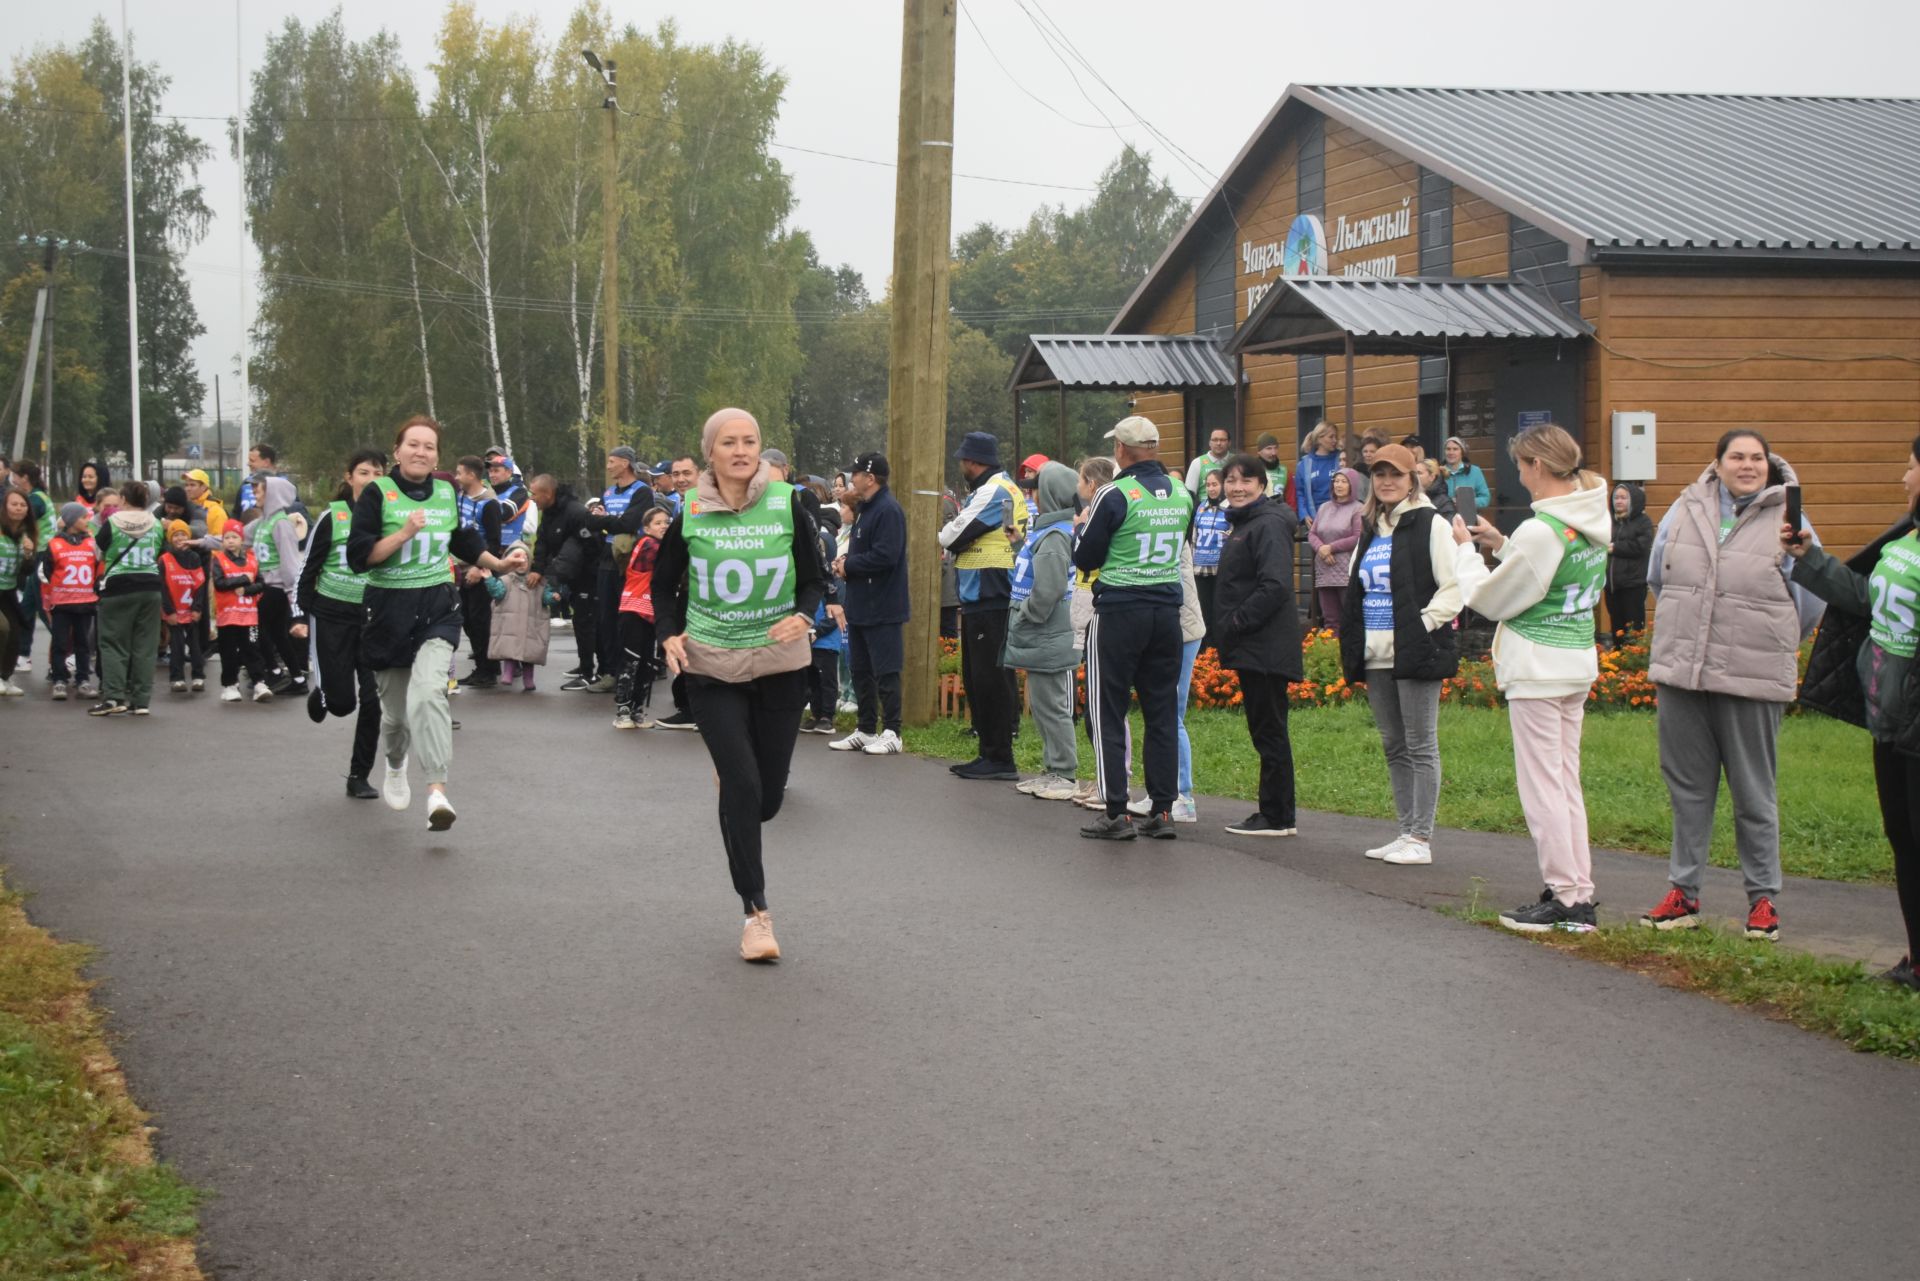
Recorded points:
740,569
1894,589
422,560
266,549
9,563
1145,551
141,556
337,582
1563,618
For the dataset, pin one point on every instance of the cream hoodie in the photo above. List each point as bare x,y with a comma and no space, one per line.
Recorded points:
1528,562
1445,605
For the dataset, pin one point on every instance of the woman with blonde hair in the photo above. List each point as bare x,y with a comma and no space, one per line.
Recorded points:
1550,575
1313,483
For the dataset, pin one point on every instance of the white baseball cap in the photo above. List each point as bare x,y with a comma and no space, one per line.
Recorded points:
1135,430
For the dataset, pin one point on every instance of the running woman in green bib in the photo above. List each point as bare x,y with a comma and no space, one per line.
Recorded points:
1861,670
331,598
1542,593
404,533
735,586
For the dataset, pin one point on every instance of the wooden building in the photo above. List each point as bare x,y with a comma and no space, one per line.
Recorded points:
1465,262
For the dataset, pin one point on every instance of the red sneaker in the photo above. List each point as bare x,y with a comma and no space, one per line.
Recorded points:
1762,921
1676,912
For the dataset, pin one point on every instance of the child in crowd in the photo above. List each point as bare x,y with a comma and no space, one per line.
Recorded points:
633,687
522,624
68,572
829,634
183,607
1040,630
235,572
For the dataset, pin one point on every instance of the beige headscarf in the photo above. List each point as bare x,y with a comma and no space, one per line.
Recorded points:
718,419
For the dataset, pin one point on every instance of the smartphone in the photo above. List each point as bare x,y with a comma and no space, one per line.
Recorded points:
1465,504
1793,511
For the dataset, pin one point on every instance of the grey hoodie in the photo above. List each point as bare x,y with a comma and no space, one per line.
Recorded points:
1040,627
279,496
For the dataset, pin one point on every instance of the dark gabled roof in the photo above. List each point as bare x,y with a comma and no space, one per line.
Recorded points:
1386,317
1665,171
1121,362
1638,176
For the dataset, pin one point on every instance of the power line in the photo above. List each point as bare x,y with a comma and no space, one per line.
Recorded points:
1017,83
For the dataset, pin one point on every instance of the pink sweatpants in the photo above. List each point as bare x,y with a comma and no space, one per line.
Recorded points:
1546,764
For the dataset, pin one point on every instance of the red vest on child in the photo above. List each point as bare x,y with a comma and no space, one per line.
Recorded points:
231,609
70,578
636,593
183,588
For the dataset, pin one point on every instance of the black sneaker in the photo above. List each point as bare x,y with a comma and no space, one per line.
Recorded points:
1257,824
1109,828
107,707
577,671
679,720
1157,826
316,705
280,682
1547,913
577,684
1902,974
479,681
984,770
957,766
359,790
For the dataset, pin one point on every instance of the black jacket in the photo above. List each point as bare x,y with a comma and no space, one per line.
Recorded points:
1418,654
1632,545
1832,683
397,620
566,551
1256,627
877,563
627,522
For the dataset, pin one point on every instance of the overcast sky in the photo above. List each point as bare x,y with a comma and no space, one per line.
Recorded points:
1203,73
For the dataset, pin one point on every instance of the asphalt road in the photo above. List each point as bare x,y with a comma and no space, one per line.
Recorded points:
526,1048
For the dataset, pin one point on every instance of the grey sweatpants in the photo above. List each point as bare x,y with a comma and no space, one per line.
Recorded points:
1407,714
1051,694
414,711
1702,735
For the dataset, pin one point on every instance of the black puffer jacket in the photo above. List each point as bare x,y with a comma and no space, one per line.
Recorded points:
1255,625
1833,683
565,551
1632,544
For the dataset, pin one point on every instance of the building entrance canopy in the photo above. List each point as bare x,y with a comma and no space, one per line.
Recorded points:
1369,316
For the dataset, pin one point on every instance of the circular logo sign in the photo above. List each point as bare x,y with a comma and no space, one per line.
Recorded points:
1306,252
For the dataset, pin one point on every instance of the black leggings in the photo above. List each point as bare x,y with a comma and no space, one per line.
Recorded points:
476,619
16,626
1897,778
633,687
348,687
750,730
187,649
276,632
237,650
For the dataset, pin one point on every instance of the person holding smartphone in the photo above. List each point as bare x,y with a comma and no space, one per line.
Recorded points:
1725,664
1542,593
1861,670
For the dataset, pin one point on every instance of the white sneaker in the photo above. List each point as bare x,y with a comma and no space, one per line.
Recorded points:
230,694
1056,787
1028,786
9,690
1185,811
1391,847
394,789
854,742
1140,807
262,694
440,813
624,720
1411,853
888,744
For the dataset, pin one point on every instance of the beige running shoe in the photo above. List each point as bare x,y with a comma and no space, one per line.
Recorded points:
756,939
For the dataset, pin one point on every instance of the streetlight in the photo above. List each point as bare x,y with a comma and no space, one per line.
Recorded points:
610,252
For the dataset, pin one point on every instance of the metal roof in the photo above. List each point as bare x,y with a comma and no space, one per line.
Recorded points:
1664,172
1319,313
1121,362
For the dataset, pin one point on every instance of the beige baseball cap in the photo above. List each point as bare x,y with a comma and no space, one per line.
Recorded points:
1135,430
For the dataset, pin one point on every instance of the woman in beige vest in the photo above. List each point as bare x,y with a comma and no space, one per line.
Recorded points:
1726,642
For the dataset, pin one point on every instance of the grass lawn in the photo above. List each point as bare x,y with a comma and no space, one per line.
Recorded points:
80,1195
1830,820
1838,998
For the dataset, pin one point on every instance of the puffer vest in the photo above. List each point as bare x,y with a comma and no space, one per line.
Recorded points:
1726,623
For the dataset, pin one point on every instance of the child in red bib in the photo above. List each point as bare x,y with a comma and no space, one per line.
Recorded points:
69,573
183,608
237,587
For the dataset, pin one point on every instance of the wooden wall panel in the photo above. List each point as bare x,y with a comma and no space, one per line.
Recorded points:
1273,400
1479,236
1845,419
1364,179
1273,199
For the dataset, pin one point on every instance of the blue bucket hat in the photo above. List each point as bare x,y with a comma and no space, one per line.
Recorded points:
979,447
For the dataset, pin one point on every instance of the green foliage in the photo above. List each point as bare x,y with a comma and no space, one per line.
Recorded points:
60,176
1829,814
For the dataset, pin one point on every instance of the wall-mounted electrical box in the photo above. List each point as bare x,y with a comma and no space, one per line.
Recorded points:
1633,445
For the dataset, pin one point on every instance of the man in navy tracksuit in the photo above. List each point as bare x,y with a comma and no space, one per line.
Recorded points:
875,569
621,510
1133,535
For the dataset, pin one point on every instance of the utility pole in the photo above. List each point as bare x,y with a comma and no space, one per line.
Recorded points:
240,238
219,440
42,331
133,293
917,350
610,250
